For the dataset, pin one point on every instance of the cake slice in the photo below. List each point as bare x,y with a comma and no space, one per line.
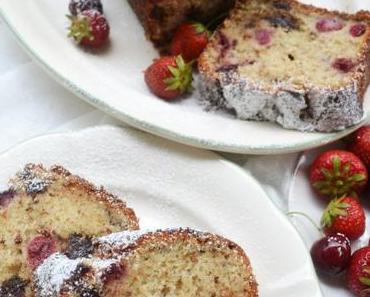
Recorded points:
177,262
160,19
303,67
49,210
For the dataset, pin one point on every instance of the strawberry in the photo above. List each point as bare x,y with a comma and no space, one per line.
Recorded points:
169,77
90,28
189,41
344,215
337,173
358,273
359,144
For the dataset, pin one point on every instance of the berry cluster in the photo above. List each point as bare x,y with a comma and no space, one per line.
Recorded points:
326,25
89,27
341,177
170,77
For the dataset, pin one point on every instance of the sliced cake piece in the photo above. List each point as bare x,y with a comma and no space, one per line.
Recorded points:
45,211
177,262
160,19
303,67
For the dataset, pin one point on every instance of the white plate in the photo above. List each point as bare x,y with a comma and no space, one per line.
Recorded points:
112,80
303,199
170,185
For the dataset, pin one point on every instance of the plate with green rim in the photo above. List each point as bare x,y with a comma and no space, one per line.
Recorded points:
170,185
112,80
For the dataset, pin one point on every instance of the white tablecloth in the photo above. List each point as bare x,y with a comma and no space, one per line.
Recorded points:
32,104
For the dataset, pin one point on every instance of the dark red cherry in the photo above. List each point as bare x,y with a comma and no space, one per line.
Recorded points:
328,25
357,30
331,254
40,248
343,65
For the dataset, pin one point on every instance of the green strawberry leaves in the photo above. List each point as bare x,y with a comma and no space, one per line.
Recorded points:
181,76
336,208
80,28
337,181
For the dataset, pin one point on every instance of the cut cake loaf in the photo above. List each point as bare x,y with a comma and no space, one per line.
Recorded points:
303,67
161,18
176,262
51,210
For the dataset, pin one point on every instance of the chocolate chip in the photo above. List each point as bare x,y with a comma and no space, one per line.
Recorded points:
227,68
284,20
89,292
18,239
13,287
79,246
281,5
291,57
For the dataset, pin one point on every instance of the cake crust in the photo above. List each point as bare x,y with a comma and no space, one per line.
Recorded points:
300,107
126,249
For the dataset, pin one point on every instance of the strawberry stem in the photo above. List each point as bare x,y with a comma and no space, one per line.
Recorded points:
298,213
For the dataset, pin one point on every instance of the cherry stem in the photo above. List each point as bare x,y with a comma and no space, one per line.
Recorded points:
298,213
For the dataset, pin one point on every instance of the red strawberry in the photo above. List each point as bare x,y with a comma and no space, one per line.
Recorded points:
344,215
358,273
90,28
360,144
169,77
337,173
189,41
39,249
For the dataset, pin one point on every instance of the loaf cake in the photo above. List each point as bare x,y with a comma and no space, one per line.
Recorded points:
176,262
160,19
49,210
305,68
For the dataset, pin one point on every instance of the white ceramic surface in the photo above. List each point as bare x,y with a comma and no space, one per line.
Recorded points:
112,80
171,185
303,199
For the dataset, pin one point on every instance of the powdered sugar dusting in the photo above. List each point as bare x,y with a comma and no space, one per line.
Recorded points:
32,179
122,239
53,272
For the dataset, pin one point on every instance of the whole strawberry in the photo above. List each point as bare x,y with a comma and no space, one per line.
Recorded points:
90,28
344,215
189,41
358,273
169,77
360,144
78,6
338,173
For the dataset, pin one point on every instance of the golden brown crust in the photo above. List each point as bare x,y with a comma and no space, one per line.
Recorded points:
71,181
162,238
109,200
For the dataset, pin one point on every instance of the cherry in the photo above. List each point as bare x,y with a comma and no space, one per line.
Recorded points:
343,64
357,30
263,36
331,254
328,25
39,249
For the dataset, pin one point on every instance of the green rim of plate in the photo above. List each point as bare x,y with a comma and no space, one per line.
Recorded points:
322,139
